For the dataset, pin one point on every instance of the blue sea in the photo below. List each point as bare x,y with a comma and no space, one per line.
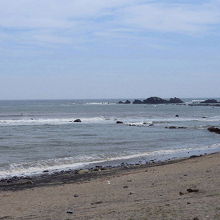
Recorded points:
40,135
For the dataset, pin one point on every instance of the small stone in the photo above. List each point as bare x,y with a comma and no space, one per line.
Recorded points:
96,203
83,171
180,193
125,187
192,190
76,195
69,212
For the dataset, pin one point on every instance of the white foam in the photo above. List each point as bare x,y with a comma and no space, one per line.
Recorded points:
49,121
52,165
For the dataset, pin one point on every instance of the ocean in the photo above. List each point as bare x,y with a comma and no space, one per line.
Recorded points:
40,135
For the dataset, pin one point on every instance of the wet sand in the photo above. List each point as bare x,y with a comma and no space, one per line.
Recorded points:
184,189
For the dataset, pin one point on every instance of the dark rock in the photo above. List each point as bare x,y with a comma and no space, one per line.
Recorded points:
155,100
171,127
119,122
210,101
196,218
69,212
96,203
181,194
77,120
193,156
175,100
125,187
192,190
127,102
45,171
214,129
177,116
76,195
137,101
175,127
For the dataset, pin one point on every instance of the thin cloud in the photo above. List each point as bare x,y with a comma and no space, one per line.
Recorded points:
55,21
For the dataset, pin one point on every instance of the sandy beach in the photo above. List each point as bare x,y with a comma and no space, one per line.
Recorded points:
187,189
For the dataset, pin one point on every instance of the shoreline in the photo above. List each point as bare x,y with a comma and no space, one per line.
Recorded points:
186,189
69,176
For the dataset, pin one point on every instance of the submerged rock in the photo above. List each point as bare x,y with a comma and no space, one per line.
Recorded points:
77,120
210,101
137,101
214,129
175,100
119,122
126,102
175,127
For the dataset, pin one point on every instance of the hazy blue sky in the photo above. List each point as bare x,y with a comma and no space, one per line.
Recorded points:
109,48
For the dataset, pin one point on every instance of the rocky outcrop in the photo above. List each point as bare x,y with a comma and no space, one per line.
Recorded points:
155,100
175,100
77,120
210,101
137,101
214,129
125,102
158,100
119,122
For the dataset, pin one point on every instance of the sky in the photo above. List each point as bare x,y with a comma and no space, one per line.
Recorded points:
75,49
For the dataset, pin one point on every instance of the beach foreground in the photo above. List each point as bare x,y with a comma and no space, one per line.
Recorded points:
187,189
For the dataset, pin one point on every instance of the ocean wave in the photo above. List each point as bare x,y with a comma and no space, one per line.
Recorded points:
54,165
49,121
132,121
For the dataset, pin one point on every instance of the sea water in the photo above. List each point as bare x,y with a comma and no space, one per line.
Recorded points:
42,135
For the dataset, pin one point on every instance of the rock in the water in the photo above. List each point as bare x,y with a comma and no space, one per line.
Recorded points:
210,101
155,100
137,101
175,100
126,102
214,129
77,120
175,127
119,122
